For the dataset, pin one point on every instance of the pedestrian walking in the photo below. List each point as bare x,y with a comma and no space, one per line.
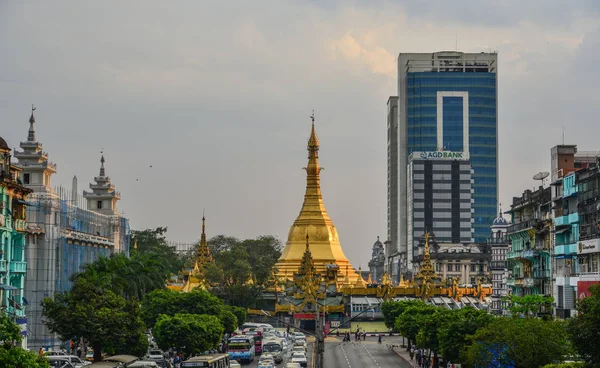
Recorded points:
412,352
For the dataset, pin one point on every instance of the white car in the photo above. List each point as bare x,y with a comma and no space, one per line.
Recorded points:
266,358
60,360
156,355
143,364
234,364
299,349
299,358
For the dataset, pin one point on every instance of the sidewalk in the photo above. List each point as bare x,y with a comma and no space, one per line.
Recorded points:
402,353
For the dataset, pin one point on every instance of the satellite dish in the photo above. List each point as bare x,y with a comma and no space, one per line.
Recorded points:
541,176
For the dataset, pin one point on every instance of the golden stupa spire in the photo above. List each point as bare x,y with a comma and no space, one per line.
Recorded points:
426,272
203,257
313,220
369,280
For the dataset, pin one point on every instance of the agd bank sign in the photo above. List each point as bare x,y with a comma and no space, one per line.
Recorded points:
441,155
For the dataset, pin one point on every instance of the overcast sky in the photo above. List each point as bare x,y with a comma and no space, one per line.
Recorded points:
216,96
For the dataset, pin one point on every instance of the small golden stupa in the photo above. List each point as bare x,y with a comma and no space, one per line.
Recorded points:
196,277
314,222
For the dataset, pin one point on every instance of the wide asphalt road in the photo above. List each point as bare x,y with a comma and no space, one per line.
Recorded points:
367,353
309,348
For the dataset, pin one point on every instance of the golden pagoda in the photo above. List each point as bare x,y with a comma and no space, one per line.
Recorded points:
314,222
195,277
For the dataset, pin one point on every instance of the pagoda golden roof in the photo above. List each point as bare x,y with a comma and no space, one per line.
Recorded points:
314,222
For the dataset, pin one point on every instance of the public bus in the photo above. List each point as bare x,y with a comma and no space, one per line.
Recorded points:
258,337
241,348
209,360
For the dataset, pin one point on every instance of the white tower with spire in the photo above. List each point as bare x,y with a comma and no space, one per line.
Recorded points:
103,197
37,170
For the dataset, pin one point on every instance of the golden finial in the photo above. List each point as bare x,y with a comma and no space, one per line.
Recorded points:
135,244
313,141
369,280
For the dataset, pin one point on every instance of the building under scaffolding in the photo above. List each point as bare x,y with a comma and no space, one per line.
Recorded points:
65,230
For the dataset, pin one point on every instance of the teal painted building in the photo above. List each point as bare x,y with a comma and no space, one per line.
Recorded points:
13,239
530,236
566,223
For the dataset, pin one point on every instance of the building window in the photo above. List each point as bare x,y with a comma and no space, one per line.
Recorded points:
472,280
472,268
26,178
457,268
99,205
481,268
449,267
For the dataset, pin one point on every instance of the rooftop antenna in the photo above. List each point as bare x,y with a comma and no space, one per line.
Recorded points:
542,175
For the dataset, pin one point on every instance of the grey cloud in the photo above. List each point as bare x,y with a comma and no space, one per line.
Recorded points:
217,96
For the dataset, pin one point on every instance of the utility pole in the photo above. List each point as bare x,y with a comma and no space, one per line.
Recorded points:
320,337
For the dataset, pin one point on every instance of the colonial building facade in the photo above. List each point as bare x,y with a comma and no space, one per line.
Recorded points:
66,231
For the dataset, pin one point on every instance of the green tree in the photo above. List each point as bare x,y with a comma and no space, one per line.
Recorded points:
236,262
431,323
131,277
518,342
228,320
584,329
461,323
191,333
11,355
239,312
154,241
410,321
198,301
529,305
392,310
108,321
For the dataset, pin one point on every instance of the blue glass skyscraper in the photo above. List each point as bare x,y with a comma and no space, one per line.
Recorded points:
446,101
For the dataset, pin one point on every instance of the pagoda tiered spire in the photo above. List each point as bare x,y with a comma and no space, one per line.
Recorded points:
31,133
102,170
204,255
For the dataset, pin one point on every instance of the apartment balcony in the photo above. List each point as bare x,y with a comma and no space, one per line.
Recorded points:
19,225
567,192
514,254
18,266
3,265
565,250
561,220
528,282
520,226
